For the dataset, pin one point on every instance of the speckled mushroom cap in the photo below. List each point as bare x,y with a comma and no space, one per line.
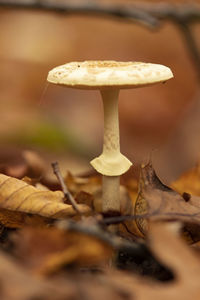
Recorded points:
105,74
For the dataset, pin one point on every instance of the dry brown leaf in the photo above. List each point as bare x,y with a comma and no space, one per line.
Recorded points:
47,250
35,164
19,284
189,182
128,201
172,252
84,198
85,189
76,184
128,196
160,202
16,195
17,163
13,219
165,243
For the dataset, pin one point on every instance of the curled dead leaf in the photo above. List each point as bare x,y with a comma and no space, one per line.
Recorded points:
16,195
159,202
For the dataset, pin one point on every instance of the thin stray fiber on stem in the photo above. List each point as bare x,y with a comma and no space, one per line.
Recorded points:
68,196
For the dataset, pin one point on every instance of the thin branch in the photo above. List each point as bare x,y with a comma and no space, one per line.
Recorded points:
125,13
110,239
68,196
191,45
182,15
194,218
183,12
148,14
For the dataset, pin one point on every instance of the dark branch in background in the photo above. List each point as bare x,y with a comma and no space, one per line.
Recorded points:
126,13
148,14
151,15
145,13
192,45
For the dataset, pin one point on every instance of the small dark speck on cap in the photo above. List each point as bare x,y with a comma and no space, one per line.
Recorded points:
186,196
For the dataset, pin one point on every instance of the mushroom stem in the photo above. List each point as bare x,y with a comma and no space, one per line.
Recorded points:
110,194
111,122
111,148
111,163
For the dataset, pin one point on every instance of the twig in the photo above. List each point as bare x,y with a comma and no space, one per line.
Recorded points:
112,240
68,196
156,214
121,219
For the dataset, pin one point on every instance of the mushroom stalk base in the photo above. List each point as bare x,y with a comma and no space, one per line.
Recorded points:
110,194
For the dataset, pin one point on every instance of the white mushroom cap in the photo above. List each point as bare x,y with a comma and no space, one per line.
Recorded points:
106,74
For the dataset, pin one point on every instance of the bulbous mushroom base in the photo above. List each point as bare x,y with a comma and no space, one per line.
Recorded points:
114,165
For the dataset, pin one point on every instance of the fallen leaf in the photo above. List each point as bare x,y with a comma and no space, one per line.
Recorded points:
16,195
166,243
19,284
128,197
163,239
47,250
18,163
76,184
160,202
35,164
170,249
86,189
84,198
13,219
189,182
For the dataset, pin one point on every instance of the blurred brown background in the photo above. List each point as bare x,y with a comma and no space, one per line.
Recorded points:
58,120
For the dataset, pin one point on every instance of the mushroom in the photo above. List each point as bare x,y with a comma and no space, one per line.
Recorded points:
109,77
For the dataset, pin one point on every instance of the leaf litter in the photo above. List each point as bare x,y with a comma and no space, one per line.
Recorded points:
62,254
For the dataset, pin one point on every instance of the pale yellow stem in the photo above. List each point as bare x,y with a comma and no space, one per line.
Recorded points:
111,147
111,163
110,194
111,144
